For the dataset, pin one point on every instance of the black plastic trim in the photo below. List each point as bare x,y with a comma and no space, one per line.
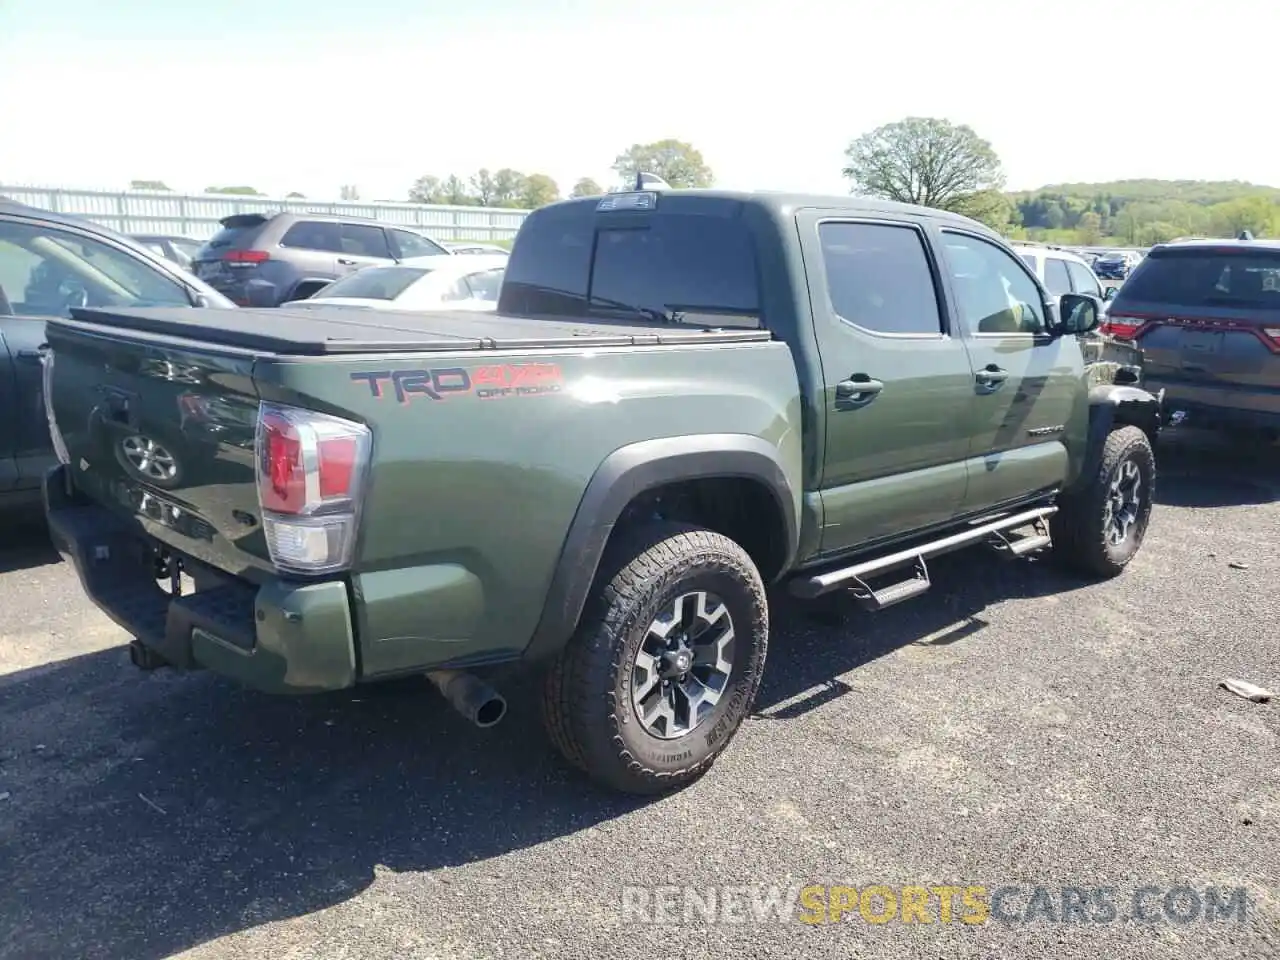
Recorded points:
1111,406
629,471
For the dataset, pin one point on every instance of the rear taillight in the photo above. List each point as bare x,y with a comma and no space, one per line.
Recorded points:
311,470
245,258
1123,327
1271,337
46,387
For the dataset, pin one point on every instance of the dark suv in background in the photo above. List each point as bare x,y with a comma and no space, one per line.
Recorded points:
262,260
1206,314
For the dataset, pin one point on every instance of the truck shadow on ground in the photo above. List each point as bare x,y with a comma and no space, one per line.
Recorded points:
150,813
24,542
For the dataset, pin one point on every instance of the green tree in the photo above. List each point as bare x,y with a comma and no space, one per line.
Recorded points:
235,191
586,187
455,192
349,191
295,196
426,189
508,188
539,190
674,161
1090,229
990,207
923,160
1256,214
148,185
483,187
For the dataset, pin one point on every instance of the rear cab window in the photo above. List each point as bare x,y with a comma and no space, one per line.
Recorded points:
691,259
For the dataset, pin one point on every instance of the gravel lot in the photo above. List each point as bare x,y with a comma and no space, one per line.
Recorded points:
1012,727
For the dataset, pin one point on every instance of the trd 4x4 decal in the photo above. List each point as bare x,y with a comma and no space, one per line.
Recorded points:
488,382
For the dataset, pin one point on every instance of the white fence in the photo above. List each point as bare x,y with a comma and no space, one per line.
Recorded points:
196,215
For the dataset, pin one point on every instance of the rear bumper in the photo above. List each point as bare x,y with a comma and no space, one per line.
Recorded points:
278,637
1212,406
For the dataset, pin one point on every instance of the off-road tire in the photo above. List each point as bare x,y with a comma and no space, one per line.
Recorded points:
587,704
1079,527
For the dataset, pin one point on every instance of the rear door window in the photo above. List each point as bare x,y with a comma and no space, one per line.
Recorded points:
1056,278
879,278
313,235
1200,278
685,265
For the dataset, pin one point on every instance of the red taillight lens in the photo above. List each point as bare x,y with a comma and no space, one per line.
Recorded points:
310,470
1124,328
246,256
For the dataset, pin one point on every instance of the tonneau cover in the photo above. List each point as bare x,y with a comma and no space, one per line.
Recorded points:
336,329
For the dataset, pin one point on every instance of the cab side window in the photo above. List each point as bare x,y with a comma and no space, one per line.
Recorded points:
994,293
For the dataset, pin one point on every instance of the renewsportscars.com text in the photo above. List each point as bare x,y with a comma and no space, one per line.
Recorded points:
968,904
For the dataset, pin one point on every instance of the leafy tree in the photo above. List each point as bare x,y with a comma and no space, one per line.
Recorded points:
349,191
674,161
148,185
426,189
586,187
484,187
923,160
1090,229
508,188
235,191
539,190
295,196
990,207
455,192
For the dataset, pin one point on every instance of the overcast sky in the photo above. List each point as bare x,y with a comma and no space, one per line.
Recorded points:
309,94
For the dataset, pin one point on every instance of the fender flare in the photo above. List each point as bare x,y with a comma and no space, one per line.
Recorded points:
629,471
1112,406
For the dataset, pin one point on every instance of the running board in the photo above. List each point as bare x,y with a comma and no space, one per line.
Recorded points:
855,577
1009,546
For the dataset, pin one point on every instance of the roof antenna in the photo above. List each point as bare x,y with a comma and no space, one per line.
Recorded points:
650,181
1245,235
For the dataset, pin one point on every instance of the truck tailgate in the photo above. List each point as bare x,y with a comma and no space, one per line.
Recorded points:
163,433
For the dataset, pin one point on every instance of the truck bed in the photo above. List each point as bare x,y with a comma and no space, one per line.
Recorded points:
332,330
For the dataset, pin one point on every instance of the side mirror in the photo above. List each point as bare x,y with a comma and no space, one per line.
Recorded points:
1078,312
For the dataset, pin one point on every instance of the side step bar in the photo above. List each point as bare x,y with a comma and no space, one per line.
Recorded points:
853,578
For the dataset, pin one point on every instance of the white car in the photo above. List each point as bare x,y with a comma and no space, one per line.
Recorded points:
464,247
442,282
1061,271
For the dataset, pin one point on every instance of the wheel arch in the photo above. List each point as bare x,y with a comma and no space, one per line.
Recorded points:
1112,406
621,484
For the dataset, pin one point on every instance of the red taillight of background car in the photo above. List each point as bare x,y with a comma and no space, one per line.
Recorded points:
1124,327
311,470
245,258
1271,337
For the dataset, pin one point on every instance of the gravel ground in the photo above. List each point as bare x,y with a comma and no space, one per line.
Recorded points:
1011,728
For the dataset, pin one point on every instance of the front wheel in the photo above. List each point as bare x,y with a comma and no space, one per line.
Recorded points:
665,664
1099,528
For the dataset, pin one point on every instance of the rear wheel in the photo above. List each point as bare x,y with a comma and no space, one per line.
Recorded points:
665,664
1099,528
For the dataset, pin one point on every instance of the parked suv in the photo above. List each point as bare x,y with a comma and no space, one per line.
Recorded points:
262,260
1206,314
1116,265
1061,271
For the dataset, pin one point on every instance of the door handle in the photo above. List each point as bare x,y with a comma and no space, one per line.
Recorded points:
345,262
991,376
34,355
859,387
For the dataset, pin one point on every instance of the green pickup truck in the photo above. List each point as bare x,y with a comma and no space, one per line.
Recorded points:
683,399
